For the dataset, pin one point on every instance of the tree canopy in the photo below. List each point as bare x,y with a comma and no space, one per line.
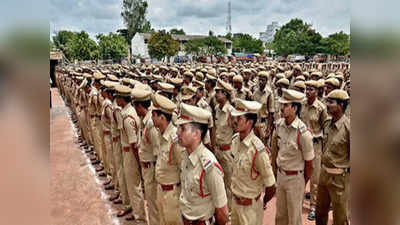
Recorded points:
134,17
208,46
245,43
81,47
112,46
337,44
176,31
162,45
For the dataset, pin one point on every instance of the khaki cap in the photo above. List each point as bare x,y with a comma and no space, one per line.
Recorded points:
212,72
331,75
211,77
189,90
174,69
339,76
139,94
283,81
238,78
299,84
338,94
321,82
199,83
112,77
187,96
162,103
223,69
157,77
297,67
87,75
263,74
188,73
301,77
123,90
312,83
166,87
176,81
246,71
316,73
231,74
306,74
333,81
190,113
126,80
79,77
222,85
98,76
204,70
289,96
243,107
280,76
200,75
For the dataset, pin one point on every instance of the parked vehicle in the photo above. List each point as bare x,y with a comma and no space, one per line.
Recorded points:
320,58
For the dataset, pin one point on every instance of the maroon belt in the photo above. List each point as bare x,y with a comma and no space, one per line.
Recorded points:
245,201
225,147
115,139
290,172
168,187
126,149
147,165
106,132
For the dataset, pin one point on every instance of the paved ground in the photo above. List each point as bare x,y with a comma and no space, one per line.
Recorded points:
77,194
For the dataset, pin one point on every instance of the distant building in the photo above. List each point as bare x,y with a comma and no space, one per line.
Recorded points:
139,43
268,35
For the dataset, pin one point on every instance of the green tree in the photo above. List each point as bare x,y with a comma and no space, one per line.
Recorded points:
176,31
336,44
81,47
296,37
60,40
112,46
162,45
194,47
246,43
134,17
52,46
213,46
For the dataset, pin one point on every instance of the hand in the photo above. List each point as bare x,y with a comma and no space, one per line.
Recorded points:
269,194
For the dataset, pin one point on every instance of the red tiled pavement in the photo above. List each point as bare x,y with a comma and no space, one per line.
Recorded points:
76,194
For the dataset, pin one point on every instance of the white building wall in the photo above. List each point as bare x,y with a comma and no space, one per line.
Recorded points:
139,47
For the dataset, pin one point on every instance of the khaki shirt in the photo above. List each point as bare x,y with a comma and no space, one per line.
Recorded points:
210,98
289,156
266,99
314,116
201,168
223,128
150,141
106,115
336,145
243,93
116,120
169,157
250,175
93,101
130,126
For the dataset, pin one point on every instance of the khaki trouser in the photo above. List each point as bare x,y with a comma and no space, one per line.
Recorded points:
168,201
99,127
83,125
134,185
119,162
107,151
225,159
333,189
247,215
150,190
315,172
289,198
97,142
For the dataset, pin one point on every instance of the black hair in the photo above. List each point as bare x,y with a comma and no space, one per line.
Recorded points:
167,116
202,127
344,103
169,95
145,104
127,98
212,82
298,109
252,116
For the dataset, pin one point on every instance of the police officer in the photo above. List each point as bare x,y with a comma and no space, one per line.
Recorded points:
168,161
292,147
333,187
314,114
203,192
252,171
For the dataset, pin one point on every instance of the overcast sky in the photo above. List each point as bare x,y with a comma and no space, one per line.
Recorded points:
200,16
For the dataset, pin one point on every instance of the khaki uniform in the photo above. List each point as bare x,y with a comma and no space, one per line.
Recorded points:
210,98
203,189
314,116
94,121
266,98
334,183
252,172
106,116
147,154
168,178
116,127
290,169
202,103
223,140
130,135
243,93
